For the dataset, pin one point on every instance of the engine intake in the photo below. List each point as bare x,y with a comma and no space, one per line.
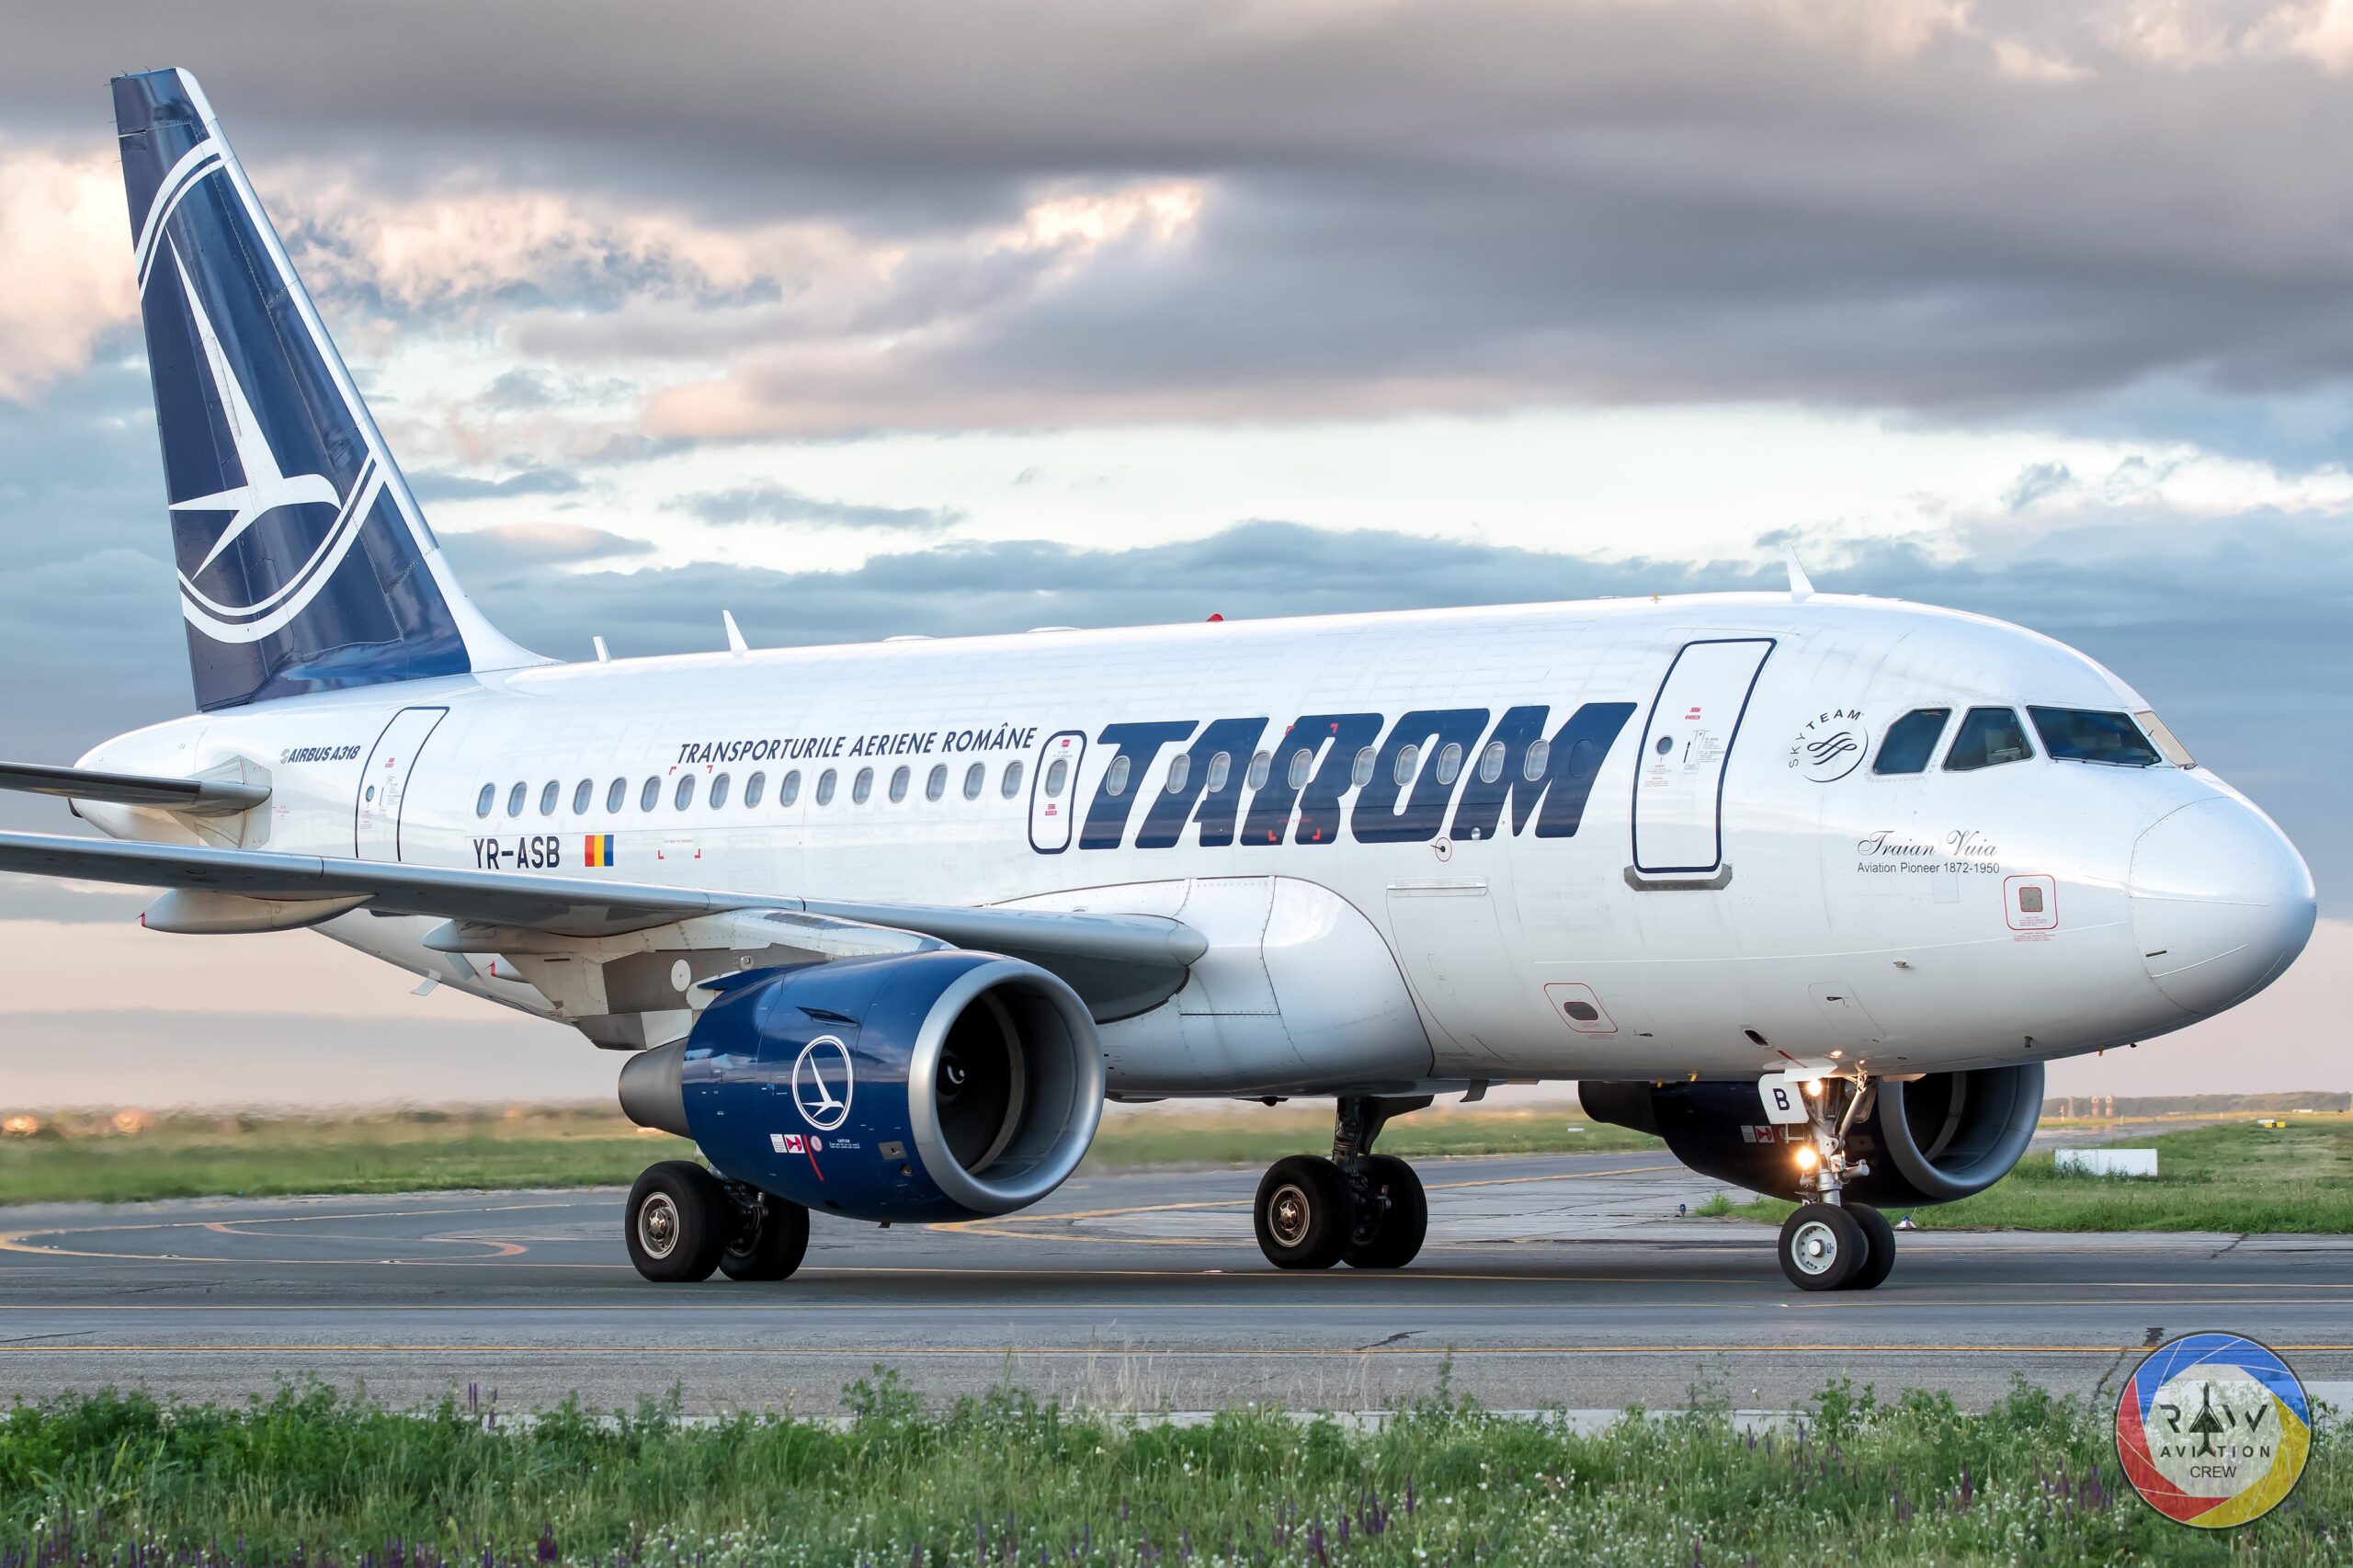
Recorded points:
1936,1138
935,1085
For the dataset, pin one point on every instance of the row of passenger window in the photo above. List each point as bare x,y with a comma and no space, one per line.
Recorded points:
1583,758
788,790
1991,736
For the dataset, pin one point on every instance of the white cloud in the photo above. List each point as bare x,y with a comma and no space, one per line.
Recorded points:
65,274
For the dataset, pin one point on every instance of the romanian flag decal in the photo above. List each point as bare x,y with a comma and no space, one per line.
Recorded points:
599,850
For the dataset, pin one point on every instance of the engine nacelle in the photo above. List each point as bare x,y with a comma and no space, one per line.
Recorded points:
1936,1138
934,1086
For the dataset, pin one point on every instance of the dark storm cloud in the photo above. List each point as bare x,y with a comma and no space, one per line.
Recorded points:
780,503
1459,205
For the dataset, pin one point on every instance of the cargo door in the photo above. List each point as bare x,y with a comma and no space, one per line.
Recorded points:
376,828
1680,775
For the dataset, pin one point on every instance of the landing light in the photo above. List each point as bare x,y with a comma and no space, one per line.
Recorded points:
1808,1157
1814,1087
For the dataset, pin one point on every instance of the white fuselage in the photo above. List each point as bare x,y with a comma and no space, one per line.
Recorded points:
1741,889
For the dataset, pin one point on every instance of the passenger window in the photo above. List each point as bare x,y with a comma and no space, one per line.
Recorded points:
2079,735
1911,741
547,799
1260,765
1402,771
974,777
1450,763
1539,759
1360,772
898,785
649,797
1056,776
514,800
1987,738
582,793
684,796
1115,782
1180,768
790,791
826,788
1301,761
1585,759
1221,769
483,802
936,785
754,787
1010,785
862,787
719,791
616,794
2174,752
1491,762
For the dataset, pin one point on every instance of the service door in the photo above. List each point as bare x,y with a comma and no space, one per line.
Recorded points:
1054,791
376,833
1679,781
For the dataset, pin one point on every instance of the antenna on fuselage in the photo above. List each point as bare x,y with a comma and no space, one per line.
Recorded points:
735,643
603,656
1801,585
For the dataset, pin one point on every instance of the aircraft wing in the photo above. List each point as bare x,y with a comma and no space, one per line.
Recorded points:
583,907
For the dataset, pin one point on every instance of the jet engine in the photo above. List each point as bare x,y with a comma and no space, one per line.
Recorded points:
934,1086
1927,1139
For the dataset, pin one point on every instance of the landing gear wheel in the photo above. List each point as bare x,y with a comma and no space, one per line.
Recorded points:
1882,1237
1301,1214
1822,1247
1387,1235
678,1220
771,1235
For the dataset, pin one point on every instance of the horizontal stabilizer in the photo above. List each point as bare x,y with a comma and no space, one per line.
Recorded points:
195,797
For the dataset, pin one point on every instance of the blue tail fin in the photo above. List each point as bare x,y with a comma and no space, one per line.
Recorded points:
305,563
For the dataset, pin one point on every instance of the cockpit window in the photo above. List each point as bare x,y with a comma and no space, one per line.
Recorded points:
2081,735
2155,728
1987,738
1911,741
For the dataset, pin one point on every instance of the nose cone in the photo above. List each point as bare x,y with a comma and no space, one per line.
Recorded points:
2222,903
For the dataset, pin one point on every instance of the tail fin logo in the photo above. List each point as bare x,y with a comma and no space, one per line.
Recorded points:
263,608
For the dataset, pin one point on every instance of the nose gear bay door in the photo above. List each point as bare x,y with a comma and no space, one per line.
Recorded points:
1679,775
376,822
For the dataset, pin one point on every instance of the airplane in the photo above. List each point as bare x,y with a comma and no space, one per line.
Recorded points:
1812,886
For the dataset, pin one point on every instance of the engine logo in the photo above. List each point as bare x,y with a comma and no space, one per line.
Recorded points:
1830,745
2213,1430
822,1082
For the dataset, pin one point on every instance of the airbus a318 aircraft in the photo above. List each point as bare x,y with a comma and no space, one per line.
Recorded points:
1813,886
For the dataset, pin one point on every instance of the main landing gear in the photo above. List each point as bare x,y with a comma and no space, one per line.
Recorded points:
1358,1208
1830,1243
684,1223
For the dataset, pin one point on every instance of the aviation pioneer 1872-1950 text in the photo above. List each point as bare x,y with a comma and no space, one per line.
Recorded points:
1811,885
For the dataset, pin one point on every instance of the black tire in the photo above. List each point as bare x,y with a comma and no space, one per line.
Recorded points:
1822,1247
1303,1212
1390,1236
677,1222
1881,1235
770,1238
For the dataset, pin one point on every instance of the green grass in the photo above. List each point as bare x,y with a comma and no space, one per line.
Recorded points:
307,1478
2237,1178
87,1157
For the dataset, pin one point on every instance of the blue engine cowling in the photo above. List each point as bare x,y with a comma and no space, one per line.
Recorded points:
933,1086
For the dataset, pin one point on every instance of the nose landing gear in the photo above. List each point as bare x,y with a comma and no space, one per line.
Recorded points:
1359,1208
1829,1243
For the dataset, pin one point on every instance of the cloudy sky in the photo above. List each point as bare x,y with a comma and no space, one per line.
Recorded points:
869,319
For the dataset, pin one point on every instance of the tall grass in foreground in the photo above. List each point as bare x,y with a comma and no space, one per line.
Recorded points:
305,1478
